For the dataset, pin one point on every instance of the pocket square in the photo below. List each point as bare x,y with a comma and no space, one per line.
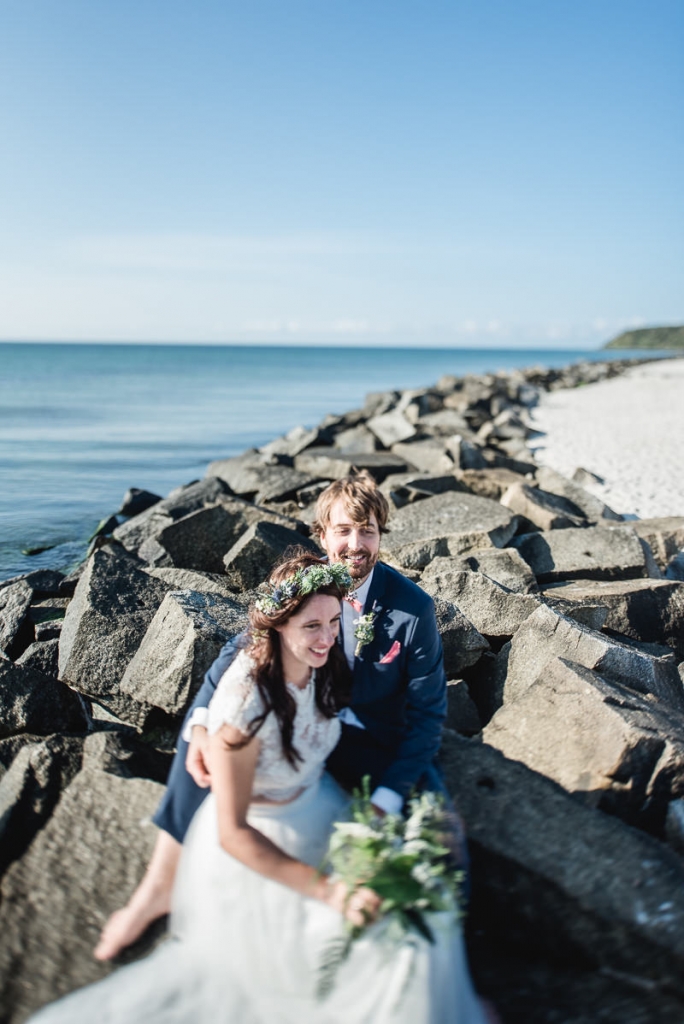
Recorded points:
391,654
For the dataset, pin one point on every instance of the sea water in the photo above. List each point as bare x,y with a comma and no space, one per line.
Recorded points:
81,423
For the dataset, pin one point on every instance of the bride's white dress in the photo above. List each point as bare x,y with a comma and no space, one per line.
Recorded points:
247,950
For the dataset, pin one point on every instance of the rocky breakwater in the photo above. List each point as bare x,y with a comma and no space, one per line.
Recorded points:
563,631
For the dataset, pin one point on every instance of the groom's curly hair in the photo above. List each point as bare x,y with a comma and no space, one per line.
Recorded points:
333,680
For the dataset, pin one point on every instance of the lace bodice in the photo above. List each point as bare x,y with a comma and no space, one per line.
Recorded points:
237,702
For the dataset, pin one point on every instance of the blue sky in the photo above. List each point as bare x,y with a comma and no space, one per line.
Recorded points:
500,172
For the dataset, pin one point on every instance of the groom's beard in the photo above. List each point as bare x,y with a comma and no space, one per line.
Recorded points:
359,563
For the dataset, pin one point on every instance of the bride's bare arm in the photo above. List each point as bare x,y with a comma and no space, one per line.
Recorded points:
232,774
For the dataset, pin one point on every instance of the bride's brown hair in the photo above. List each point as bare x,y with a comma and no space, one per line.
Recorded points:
333,680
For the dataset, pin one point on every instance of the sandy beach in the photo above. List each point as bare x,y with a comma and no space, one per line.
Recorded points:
628,431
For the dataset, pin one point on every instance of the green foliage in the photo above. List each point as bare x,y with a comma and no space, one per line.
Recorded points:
406,861
301,583
650,338
364,631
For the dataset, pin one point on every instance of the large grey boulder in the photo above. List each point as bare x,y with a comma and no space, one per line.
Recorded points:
593,508
201,539
447,524
43,582
621,752
253,555
492,609
503,565
550,873
331,464
356,439
253,478
238,471
32,702
428,456
292,443
142,528
541,509
30,789
137,500
181,502
648,610
42,656
594,553
665,536
15,600
181,642
403,488
83,865
466,454
192,579
112,607
391,427
547,634
379,402
443,423
463,644
489,482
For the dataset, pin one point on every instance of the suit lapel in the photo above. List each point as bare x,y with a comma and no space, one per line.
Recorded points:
363,663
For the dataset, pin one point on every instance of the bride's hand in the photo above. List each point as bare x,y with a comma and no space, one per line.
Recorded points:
358,906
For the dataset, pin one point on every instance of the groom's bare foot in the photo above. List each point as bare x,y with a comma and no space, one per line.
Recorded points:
150,901
125,926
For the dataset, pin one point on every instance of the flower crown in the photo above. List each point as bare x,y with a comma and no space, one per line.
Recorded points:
303,582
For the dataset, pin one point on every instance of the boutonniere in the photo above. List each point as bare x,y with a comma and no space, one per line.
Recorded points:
365,630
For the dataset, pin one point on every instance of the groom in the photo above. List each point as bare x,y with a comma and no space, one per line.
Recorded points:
392,729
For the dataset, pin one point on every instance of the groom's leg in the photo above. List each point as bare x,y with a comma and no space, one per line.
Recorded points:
181,799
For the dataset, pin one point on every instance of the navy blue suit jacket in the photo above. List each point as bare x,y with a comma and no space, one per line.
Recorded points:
401,703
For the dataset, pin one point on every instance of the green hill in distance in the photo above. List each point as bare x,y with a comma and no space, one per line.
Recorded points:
649,337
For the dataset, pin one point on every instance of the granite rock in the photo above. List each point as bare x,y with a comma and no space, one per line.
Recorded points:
596,553
331,464
16,631
428,456
30,789
619,751
82,866
540,509
447,524
254,554
647,609
664,536
32,702
114,603
502,565
181,642
463,644
550,873
391,427
547,634
592,507
492,609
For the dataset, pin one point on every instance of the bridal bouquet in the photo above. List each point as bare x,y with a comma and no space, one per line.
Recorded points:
404,860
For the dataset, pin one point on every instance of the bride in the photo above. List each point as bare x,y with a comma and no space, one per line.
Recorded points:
253,913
